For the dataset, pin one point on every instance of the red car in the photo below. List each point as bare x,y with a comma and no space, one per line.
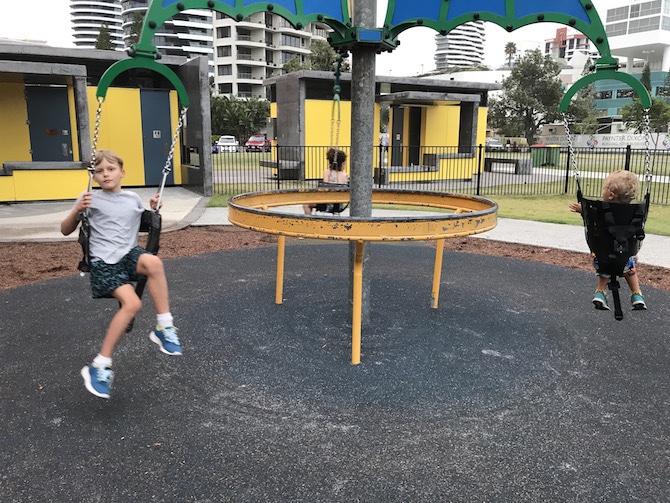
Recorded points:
258,143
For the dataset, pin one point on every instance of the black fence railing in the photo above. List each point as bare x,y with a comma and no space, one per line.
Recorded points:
462,169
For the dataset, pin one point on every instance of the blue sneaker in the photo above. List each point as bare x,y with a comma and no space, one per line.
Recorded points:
600,300
97,380
167,340
638,302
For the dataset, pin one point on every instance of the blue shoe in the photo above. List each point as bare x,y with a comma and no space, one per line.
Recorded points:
167,340
638,302
600,301
97,380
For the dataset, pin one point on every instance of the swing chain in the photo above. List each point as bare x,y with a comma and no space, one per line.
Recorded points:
94,144
647,149
175,138
335,124
571,148
168,162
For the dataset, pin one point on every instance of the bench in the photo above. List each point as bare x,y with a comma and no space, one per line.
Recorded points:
521,166
286,170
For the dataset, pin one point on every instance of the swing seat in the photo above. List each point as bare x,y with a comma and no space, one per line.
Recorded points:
333,208
614,232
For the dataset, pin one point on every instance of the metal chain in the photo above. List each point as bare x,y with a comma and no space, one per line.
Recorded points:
647,149
335,123
571,148
168,162
94,144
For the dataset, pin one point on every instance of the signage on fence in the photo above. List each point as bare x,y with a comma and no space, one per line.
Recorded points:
659,141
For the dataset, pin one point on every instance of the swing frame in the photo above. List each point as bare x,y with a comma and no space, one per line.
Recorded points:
150,220
614,231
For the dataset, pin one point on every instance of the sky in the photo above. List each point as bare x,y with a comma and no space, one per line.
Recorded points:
49,21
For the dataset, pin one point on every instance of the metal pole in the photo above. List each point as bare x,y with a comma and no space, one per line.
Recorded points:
362,115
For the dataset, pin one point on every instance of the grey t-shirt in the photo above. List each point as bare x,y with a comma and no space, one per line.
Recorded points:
115,224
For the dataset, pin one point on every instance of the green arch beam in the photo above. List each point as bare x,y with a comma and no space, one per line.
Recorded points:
606,74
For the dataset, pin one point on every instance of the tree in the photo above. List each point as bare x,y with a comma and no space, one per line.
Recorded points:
530,95
135,29
241,118
645,78
294,65
632,115
510,51
104,40
581,112
322,58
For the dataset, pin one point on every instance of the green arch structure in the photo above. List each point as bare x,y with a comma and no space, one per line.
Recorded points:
606,74
145,63
440,15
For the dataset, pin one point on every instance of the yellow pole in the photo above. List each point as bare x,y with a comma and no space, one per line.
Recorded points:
279,290
437,272
357,304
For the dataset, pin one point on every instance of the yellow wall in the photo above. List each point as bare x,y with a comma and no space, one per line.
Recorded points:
440,127
120,131
319,127
14,132
45,185
176,160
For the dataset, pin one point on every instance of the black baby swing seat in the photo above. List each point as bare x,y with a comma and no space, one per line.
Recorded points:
333,208
614,232
151,223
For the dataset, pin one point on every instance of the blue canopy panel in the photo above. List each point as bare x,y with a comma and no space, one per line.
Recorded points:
331,10
299,13
444,16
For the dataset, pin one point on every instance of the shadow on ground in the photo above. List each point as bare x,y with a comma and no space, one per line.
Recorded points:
515,389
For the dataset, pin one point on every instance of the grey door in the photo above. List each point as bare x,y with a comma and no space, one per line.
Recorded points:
49,123
156,135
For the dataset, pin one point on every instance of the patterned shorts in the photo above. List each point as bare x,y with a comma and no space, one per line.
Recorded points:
105,278
628,268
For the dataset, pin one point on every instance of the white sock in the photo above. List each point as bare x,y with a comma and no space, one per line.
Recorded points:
102,362
164,320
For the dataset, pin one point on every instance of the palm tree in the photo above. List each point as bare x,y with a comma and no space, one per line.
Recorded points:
510,51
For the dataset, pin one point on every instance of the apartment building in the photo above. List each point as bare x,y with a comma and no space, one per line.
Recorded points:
249,51
567,42
461,47
89,16
188,34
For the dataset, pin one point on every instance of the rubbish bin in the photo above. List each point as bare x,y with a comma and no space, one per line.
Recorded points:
379,175
538,154
553,155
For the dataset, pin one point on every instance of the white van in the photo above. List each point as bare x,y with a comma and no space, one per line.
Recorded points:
228,143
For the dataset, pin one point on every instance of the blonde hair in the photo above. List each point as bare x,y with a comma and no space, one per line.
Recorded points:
623,185
108,156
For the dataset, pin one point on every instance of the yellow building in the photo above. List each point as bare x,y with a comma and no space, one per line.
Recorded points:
49,110
433,130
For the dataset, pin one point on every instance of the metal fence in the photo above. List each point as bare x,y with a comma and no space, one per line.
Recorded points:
519,172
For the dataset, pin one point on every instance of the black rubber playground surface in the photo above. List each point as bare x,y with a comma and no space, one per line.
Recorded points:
515,389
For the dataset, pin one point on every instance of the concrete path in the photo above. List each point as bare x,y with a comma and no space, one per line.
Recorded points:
41,221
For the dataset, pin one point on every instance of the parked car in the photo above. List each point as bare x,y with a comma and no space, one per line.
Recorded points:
258,143
493,145
228,143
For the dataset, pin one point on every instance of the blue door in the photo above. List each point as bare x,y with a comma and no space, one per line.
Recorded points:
49,123
156,135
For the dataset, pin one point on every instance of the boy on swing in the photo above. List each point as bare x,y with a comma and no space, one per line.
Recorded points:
116,261
619,187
